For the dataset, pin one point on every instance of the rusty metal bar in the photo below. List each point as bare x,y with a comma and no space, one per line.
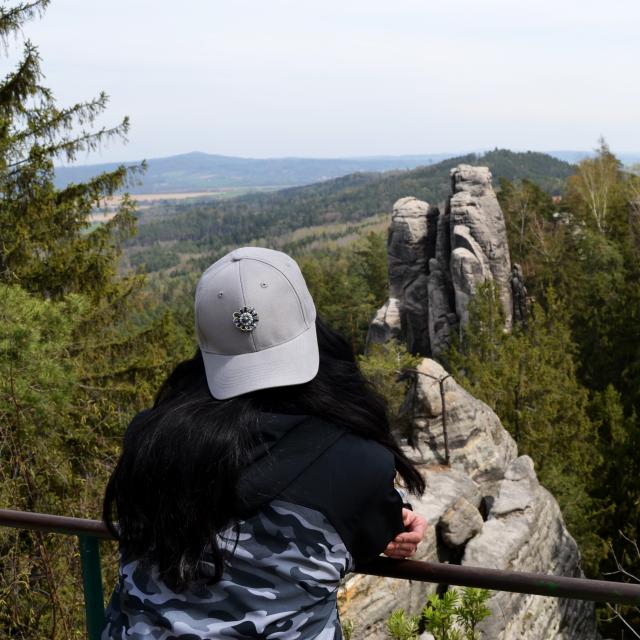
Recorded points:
447,460
499,580
53,524
464,576
89,533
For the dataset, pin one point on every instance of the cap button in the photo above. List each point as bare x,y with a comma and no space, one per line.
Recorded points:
239,254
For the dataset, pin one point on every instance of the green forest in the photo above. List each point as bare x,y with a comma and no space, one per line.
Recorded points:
94,316
204,228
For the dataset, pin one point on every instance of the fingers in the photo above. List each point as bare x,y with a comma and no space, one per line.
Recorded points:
415,527
400,550
413,537
406,543
407,516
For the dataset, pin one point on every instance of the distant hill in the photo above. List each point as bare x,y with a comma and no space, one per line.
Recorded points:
205,227
197,171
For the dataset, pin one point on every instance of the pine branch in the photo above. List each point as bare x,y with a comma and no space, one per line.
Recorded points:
87,194
21,84
12,19
87,141
69,147
42,122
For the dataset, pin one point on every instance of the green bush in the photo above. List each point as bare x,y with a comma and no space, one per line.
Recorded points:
403,627
452,616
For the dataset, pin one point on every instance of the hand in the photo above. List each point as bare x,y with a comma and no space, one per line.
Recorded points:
405,544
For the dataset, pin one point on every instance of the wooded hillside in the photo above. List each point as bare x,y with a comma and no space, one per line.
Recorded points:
85,342
203,228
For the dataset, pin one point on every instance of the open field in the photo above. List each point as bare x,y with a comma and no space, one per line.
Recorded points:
221,193
157,197
147,200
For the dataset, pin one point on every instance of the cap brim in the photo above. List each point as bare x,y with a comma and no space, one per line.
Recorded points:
293,362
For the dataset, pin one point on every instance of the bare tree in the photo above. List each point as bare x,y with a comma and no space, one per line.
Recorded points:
594,184
616,613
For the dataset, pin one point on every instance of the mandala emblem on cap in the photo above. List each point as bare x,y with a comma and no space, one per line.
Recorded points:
245,319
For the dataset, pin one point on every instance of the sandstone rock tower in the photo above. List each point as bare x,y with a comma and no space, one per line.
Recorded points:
438,259
404,315
485,507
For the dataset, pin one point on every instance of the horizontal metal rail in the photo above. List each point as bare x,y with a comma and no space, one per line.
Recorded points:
89,531
53,524
466,576
498,580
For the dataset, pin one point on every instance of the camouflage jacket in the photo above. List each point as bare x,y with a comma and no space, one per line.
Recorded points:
322,506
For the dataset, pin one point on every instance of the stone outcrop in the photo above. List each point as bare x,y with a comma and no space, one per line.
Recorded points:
479,247
524,531
460,523
404,315
483,502
438,258
386,323
478,444
486,508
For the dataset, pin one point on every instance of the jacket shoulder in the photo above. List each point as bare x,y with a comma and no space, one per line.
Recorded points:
352,484
362,461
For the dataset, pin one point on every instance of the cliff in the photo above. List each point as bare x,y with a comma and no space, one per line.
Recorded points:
483,502
485,509
438,258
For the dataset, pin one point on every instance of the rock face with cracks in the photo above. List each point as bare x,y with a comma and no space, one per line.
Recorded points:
479,247
404,315
438,256
483,502
487,509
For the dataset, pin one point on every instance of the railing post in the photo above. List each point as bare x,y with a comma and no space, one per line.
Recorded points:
92,583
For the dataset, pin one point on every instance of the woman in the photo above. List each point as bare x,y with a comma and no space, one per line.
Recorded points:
261,475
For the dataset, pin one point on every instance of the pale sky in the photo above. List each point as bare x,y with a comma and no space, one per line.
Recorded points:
327,78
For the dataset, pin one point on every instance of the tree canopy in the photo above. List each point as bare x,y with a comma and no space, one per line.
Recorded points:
84,344
77,355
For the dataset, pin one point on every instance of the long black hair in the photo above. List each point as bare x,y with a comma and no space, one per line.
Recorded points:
173,488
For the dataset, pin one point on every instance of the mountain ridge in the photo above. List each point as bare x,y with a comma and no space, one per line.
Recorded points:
198,171
205,227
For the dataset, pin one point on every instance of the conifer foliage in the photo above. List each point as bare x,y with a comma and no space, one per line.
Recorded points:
80,351
584,251
82,348
47,245
528,377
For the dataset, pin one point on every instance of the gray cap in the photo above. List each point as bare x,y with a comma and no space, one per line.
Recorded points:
255,321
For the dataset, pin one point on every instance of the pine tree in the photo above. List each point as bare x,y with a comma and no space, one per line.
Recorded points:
81,348
348,286
47,245
594,266
528,378
37,392
536,230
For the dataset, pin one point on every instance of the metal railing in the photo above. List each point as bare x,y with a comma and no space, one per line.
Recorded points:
90,532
